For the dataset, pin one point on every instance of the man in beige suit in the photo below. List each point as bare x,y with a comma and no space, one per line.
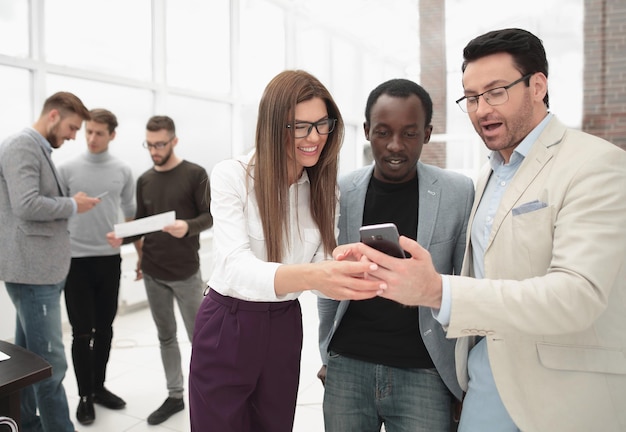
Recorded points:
543,286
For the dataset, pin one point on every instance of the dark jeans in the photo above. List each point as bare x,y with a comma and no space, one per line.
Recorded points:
91,293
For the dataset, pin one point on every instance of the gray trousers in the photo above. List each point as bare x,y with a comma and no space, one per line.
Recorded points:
161,295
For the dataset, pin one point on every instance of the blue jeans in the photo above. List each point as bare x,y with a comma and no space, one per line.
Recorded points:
361,396
38,329
161,295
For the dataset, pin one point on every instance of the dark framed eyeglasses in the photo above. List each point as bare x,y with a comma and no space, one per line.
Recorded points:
303,129
157,145
494,97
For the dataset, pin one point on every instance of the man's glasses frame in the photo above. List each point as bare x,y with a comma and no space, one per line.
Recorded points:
157,145
302,129
494,97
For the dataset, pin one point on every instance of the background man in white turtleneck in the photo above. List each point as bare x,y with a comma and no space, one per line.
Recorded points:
92,286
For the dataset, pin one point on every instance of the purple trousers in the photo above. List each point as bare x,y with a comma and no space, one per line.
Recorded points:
245,365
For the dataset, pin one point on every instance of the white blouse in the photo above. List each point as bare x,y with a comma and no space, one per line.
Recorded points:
241,269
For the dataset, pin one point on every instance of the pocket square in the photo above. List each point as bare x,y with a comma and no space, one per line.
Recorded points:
529,207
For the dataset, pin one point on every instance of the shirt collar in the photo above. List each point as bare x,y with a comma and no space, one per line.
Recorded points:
43,142
304,178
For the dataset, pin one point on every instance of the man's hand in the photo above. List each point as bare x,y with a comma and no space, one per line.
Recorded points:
138,271
409,281
321,374
114,241
178,229
84,203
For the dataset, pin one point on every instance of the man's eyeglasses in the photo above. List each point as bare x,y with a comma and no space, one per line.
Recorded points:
494,97
157,145
303,129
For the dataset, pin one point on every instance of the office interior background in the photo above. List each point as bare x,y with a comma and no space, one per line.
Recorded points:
206,63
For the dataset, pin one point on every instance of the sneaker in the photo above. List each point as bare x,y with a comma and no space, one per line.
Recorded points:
108,399
170,407
85,414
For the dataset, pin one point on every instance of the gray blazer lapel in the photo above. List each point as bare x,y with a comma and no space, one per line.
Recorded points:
46,155
353,191
428,208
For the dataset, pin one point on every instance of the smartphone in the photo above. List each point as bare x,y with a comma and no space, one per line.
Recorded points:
383,237
103,194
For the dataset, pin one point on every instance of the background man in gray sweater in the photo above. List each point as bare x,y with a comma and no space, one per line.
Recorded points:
92,286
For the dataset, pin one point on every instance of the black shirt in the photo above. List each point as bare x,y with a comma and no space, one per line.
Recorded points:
378,330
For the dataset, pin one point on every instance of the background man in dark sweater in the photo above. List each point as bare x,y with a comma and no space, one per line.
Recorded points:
386,363
170,262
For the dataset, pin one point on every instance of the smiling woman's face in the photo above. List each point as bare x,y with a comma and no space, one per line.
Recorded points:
306,151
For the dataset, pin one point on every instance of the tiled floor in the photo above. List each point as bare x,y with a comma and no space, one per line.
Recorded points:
135,373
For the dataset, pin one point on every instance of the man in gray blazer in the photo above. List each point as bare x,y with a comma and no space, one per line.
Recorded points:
385,363
35,251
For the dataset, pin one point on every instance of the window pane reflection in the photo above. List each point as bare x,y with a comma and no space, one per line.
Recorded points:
198,45
14,27
15,109
262,53
203,129
112,36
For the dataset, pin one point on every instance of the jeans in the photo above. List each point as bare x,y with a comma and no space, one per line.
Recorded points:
361,396
161,295
38,329
91,294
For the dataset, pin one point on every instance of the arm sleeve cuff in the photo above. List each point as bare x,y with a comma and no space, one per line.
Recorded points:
443,314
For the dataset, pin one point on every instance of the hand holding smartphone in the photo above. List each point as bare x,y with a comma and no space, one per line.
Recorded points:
383,237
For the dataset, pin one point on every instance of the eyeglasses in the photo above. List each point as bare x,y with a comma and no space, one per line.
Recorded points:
157,145
494,97
303,129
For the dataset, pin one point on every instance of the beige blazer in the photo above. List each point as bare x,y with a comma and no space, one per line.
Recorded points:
552,305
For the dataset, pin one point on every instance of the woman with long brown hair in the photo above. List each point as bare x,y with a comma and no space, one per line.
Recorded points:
274,213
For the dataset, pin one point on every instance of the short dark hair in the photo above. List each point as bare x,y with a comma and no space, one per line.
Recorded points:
156,123
400,88
529,55
65,103
101,115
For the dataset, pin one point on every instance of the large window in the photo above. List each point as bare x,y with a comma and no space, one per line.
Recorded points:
198,45
16,106
204,63
14,35
111,37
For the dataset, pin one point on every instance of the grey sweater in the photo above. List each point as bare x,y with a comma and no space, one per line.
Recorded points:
95,174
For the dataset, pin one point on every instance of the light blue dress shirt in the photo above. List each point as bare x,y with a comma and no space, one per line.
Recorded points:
483,410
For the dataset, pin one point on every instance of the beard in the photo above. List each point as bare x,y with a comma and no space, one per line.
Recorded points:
163,160
52,137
